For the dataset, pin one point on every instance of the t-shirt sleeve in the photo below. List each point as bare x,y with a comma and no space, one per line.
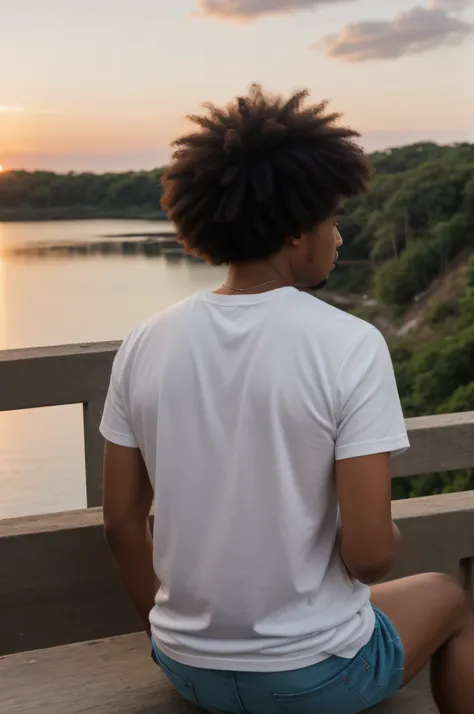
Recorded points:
115,425
367,406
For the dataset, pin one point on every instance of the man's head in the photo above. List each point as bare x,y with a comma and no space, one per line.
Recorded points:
264,180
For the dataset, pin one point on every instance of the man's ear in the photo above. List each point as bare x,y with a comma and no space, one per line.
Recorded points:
293,242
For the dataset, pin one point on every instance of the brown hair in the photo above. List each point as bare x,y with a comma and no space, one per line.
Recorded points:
258,172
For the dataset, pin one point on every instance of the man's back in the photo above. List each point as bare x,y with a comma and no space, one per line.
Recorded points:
240,405
265,420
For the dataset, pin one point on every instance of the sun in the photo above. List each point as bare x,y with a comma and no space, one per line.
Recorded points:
1,169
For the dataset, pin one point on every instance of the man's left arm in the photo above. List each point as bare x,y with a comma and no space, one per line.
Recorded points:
127,501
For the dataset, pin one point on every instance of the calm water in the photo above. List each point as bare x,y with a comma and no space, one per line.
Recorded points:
47,301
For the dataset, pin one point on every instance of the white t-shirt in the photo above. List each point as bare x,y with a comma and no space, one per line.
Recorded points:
240,405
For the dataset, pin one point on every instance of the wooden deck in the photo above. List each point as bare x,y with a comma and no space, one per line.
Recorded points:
117,676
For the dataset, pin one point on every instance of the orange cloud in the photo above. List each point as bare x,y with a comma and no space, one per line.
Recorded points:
254,9
418,30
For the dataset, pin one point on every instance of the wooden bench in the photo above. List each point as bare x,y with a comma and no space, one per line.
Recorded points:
117,676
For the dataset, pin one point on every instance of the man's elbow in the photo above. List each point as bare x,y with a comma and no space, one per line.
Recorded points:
115,536
371,569
373,573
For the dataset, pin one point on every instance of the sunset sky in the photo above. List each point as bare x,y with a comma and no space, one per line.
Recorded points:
105,84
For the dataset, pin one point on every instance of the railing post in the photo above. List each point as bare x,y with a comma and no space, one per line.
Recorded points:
467,576
94,448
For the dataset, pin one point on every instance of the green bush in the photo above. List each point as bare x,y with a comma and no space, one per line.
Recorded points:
461,400
470,272
433,484
440,368
399,281
442,311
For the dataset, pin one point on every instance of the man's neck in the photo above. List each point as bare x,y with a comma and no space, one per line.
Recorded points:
252,278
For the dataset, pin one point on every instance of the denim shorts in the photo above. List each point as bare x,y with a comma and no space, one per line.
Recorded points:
335,685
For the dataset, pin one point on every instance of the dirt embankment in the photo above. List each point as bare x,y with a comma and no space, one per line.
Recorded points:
440,289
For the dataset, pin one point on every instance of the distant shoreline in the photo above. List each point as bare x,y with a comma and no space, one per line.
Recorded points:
25,215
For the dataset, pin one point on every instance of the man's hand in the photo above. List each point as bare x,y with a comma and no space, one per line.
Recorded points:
127,500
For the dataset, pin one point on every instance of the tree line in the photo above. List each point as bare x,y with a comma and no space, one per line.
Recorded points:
417,226
38,194
417,219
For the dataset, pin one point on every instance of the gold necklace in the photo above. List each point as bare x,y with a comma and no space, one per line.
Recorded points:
246,290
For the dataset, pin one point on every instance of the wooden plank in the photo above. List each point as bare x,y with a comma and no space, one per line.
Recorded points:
466,575
51,376
117,676
94,450
50,522
437,536
57,351
444,442
70,374
58,584
434,506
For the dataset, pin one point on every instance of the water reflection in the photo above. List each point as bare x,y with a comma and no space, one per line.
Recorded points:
98,288
150,245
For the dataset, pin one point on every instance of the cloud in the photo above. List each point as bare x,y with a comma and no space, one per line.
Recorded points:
247,10
451,4
9,109
253,9
418,30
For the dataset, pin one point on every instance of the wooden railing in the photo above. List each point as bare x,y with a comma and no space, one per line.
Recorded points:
54,376
57,582
79,374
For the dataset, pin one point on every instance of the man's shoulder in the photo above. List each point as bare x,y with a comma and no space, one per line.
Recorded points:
165,317
322,319
154,327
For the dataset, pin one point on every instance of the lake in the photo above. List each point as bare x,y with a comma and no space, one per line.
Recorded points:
67,299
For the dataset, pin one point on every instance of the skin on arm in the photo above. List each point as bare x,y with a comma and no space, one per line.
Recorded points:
127,500
369,539
430,611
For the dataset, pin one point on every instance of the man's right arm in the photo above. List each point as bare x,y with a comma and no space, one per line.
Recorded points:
370,427
370,540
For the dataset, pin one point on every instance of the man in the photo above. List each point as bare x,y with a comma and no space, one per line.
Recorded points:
261,421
